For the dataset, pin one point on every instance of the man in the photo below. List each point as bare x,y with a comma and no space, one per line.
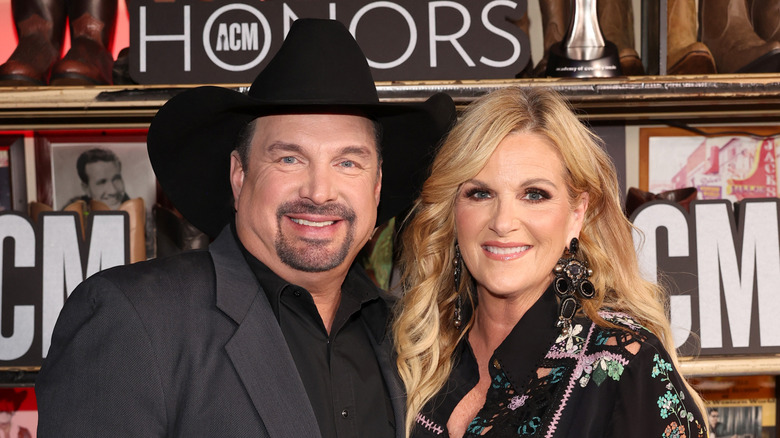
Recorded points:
100,172
273,331
717,429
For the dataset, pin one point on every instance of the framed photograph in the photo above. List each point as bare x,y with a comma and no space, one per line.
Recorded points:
731,163
19,408
13,185
739,406
108,166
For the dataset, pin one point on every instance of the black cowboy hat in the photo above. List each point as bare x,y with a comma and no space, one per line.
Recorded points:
319,68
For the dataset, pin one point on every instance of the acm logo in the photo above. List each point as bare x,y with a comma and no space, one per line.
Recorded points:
231,37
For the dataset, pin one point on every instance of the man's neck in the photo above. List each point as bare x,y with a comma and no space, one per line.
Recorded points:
324,287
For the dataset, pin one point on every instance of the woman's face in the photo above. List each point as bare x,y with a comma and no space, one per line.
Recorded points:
514,218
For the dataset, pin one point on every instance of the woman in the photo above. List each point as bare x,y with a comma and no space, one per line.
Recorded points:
518,227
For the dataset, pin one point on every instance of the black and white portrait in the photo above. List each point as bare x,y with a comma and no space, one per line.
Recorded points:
111,173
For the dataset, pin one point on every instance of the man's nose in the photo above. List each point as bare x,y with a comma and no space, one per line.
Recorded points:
319,185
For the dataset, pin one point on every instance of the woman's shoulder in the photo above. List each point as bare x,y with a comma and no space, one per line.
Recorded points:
623,336
627,336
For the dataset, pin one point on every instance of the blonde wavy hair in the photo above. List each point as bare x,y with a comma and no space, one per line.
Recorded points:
424,334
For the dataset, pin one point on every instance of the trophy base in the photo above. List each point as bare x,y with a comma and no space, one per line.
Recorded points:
602,62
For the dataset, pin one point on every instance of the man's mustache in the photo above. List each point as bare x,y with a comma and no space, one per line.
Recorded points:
308,207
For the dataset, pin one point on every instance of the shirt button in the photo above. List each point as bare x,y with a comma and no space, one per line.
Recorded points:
345,413
297,293
496,364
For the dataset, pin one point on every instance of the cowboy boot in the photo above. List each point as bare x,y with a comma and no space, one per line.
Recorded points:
137,224
636,197
79,207
524,24
727,31
765,16
88,62
616,19
684,53
40,25
36,208
174,234
556,15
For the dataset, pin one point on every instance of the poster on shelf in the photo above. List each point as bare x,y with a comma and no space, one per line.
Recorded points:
230,41
5,179
720,256
18,412
739,406
13,184
732,166
99,170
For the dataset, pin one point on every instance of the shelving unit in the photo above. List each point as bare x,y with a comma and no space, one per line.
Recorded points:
630,101
638,99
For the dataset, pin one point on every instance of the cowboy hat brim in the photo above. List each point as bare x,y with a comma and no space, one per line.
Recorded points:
193,134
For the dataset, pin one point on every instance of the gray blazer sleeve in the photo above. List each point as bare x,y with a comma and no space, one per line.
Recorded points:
100,377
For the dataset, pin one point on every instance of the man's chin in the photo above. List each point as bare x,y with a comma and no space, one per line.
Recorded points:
312,258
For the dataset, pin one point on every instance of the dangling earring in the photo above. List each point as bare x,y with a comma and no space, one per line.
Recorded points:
458,262
571,276
458,318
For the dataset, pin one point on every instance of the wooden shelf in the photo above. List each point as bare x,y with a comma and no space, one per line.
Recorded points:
638,99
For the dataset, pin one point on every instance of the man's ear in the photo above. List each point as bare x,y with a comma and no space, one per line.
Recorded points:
378,187
85,187
236,176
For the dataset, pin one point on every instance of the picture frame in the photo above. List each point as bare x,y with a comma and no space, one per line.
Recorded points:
743,406
727,162
109,166
13,181
23,408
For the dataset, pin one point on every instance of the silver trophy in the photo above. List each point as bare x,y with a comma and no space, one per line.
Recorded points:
584,53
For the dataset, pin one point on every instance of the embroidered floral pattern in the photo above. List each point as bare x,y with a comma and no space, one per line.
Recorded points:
670,403
584,362
674,431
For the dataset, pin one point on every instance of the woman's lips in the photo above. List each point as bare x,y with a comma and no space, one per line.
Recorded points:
504,251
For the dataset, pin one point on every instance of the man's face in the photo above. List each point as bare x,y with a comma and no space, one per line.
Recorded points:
104,183
714,417
307,201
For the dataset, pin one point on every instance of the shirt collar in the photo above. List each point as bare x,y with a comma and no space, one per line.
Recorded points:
531,337
357,286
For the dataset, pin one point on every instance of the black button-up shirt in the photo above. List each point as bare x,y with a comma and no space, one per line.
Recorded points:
339,370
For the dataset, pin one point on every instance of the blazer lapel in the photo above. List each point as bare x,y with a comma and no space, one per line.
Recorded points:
383,348
258,349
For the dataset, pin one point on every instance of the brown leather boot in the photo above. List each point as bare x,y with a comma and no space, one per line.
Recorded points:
36,208
523,23
727,31
40,25
765,16
137,224
88,62
636,197
616,18
684,53
81,208
555,23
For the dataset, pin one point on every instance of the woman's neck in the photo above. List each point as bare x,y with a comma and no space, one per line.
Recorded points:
495,317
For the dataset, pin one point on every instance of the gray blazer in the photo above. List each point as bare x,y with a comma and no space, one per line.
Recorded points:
181,346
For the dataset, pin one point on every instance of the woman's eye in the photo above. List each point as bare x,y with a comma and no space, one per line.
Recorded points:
477,194
536,195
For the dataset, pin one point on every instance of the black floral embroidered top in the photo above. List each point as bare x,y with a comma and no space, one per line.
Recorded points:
593,382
